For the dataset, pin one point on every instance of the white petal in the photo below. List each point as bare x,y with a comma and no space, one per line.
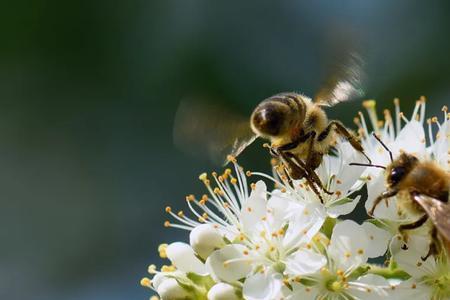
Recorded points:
262,286
304,225
183,257
412,289
411,139
410,260
301,292
204,239
349,244
222,291
254,208
221,269
378,239
374,188
304,262
371,287
337,210
169,289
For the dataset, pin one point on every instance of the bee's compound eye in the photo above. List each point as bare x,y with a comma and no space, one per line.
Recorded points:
268,121
397,174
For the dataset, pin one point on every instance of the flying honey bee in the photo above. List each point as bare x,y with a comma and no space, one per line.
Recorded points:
422,190
297,127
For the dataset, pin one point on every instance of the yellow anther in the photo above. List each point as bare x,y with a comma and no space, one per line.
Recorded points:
151,269
347,254
434,119
221,179
168,209
245,252
248,173
249,209
360,251
231,158
166,268
413,286
356,120
162,249
146,282
166,224
233,180
396,101
217,190
422,99
203,176
339,272
253,186
190,197
369,104
180,214
205,216
444,108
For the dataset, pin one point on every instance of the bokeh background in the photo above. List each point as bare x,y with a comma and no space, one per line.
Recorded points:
88,94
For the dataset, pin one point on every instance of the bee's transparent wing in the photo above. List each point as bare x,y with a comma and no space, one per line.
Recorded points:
343,81
438,211
205,129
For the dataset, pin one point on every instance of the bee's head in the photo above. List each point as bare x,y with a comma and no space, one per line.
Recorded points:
275,116
400,168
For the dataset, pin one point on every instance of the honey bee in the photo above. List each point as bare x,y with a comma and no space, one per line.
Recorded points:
422,189
297,127
300,133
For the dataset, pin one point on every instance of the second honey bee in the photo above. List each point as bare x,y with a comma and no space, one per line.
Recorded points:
422,190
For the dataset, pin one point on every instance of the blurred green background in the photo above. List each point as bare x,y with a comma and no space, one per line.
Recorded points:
88,93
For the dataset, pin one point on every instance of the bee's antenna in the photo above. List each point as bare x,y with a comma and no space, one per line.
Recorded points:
368,165
384,146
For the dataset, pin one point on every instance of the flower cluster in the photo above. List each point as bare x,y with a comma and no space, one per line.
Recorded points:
250,241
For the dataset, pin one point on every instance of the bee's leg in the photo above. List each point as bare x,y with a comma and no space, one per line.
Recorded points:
343,131
297,171
292,145
433,247
383,196
411,226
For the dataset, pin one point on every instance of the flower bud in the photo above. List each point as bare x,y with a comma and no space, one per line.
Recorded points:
223,291
169,289
204,239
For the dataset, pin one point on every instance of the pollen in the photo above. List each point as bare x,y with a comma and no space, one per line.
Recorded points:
146,282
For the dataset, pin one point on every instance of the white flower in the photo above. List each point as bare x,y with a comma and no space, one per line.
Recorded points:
430,279
342,278
223,291
275,243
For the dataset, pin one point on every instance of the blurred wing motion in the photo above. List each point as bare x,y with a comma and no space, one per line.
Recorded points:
438,211
205,129
343,83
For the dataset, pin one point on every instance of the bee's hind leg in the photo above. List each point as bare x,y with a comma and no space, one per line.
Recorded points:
432,250
344,132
